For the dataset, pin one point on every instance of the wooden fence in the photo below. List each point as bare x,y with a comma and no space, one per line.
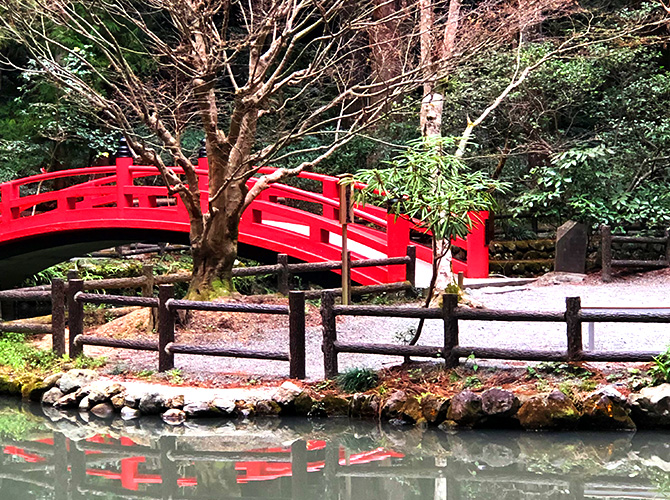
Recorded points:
606,248
57,327
167,309
282,269
451,315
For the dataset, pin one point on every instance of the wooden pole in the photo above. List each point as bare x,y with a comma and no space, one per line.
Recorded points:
606,249
460,280
282,275
574,328
329,335
75,315
449,305
346,271
667,247
58,316
165,328
296,307
148,274
410,267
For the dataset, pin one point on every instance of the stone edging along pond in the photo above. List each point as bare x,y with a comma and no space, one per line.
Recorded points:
605,409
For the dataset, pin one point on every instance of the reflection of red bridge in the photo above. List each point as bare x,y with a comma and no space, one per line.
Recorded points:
264,471
256,470
98,205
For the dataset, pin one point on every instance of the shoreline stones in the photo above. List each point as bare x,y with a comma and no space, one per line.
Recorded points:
604,409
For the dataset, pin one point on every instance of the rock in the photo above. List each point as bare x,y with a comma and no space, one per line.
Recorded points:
175,402
553,411
151,404
174,417
103,410
267,408
51,396
411,411
112,390
53,380
9,385
466,409
128,413
224,407
613,393
434,409
200,409
68,401
286,394
393,405
302,404
96,396
33,389
364,406
76,379
651,406
118,401
571,242
85,404
602,412
132,400
244,409
335,406
499,403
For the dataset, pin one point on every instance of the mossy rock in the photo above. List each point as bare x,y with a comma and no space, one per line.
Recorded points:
545,412
434,409
34,389
335,406
302,404
603,412
267,408
9,385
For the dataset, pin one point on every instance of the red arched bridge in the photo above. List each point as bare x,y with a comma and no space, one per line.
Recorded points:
51,217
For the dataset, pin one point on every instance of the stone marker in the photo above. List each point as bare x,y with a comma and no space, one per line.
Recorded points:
571,241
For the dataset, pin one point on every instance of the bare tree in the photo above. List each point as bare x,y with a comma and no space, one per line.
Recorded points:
295,67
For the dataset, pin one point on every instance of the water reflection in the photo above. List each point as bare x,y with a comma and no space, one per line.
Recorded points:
61,456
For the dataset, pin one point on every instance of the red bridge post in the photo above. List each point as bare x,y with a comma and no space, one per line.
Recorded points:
124,160
478,250
7,192
397,241
331,190
203,179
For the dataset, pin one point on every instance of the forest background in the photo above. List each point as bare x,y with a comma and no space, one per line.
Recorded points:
586,136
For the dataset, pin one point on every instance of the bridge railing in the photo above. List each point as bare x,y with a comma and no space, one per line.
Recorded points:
123,186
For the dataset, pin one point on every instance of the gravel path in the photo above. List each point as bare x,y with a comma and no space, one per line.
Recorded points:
645,290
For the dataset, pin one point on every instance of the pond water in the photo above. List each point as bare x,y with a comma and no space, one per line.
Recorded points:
63,456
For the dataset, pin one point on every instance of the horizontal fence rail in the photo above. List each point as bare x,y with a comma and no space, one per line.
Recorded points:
451,314
606,249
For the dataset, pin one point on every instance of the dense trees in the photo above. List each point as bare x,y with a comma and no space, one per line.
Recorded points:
567,98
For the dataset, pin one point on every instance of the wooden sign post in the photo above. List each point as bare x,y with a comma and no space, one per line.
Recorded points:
346,187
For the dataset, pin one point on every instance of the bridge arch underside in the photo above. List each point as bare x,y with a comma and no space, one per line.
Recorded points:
20,259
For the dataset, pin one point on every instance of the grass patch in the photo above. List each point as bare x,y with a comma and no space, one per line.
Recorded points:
357,380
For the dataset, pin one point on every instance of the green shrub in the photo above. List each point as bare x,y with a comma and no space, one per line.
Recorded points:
660,372
357,380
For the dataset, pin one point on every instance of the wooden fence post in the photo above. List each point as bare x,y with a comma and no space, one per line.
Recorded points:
165,328
461,281
296,311
410,267
449,305
148,286
606,249
667,247
58,316
348,281
282,275
329,335
75,311
573,306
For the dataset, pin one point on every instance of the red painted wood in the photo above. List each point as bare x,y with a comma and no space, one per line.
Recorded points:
117,197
